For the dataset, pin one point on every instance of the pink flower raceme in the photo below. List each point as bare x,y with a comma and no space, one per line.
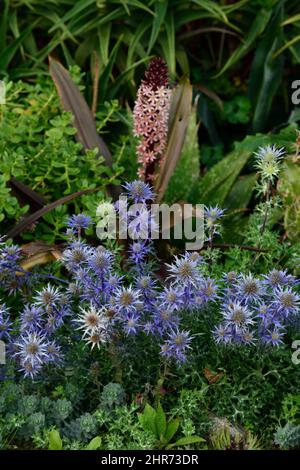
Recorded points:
151,114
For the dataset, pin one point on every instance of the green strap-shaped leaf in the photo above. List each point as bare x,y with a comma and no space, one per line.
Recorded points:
171,430
8,53
160,10
147,420
185,441
258,26
160,421
266,72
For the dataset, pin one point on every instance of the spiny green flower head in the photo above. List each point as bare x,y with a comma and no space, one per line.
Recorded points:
268,161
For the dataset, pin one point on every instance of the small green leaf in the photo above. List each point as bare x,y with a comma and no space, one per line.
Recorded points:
184,441
95,444
172,428
147,420
55,442
160,421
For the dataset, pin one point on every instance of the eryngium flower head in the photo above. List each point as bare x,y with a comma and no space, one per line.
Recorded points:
212,215
151,114
139,192
31,318
79,221
184,271
208,290
101,261
286,301
248,288
76,255
91,320
171,299
222,334
96,338
32,348
126,300
48,296
176,346
276,278
273,337
238,317
268,162
5,323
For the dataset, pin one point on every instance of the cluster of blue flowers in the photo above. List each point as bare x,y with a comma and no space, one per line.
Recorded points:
99,302
31,339
12,276
257,310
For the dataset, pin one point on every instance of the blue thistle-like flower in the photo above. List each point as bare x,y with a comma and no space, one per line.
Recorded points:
247,337
30,369
268,161
131,323
31,318
165,319
76,255
139,191
92,319
286,301
126,300
53,353
140,222
32,348
265,313
184,271
79,222
149,327
97,338
146,285
222,334
5,323
273,337
208,290
101,261
176,346
171,298
238,317
249,289
277,278
138,253
212,215
49,296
